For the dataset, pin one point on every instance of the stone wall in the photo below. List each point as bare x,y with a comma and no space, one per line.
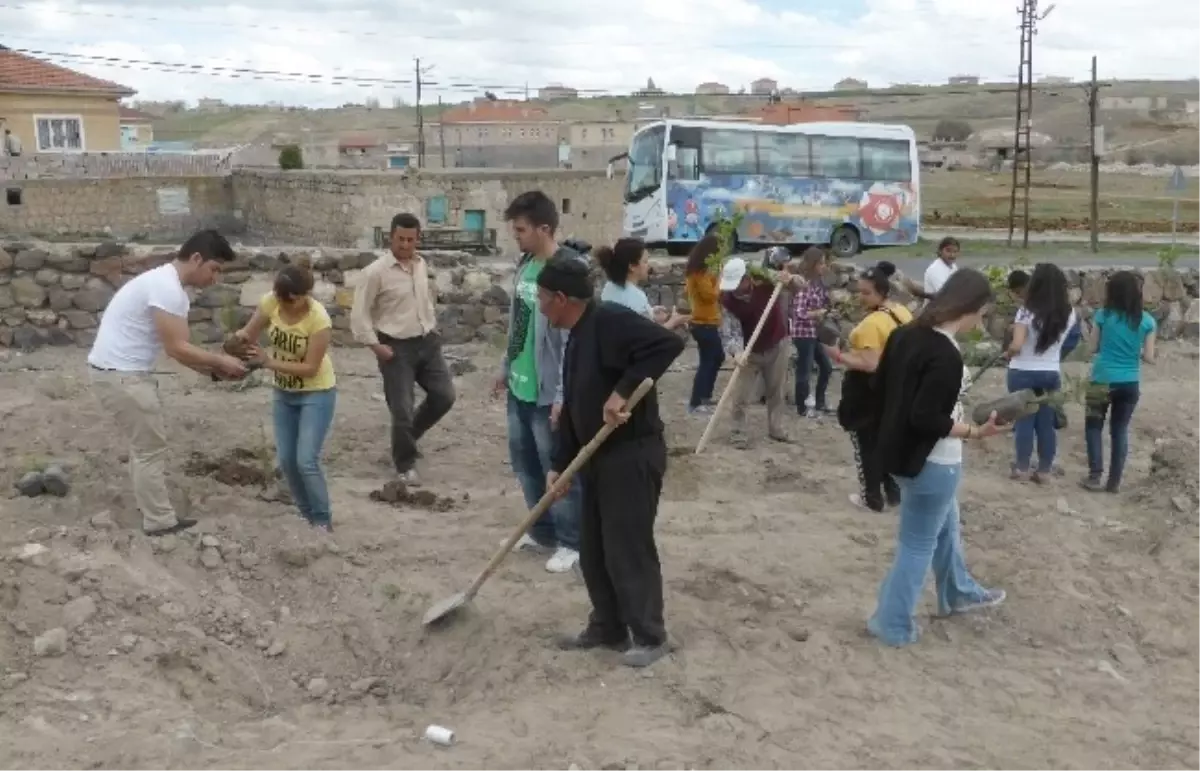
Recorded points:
344,208
53,294
112,165
141,208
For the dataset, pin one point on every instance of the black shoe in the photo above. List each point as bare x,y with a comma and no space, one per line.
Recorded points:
640,656
589,640
179,526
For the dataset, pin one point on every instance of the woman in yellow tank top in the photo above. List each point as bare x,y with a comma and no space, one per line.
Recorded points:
705,300
854,410
298,334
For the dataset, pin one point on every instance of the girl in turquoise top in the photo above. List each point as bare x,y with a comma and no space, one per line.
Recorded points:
1123,337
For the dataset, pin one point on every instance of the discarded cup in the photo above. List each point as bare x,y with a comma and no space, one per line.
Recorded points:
439,735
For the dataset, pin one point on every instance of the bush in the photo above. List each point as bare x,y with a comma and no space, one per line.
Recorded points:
290,157
1134,157
952,130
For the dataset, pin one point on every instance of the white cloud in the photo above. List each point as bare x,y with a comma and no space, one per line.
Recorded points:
613,45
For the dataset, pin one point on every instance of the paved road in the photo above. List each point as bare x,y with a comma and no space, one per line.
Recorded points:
1063,236
915,266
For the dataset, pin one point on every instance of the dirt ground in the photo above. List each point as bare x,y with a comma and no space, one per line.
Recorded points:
257,643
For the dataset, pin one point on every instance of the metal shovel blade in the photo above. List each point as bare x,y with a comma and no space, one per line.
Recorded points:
445,608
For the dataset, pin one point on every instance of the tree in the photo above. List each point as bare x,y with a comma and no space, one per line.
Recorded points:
952,130
290,158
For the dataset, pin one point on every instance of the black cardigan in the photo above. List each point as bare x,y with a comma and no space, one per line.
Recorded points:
919,380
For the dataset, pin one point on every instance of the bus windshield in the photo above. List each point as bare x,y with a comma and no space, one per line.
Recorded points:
645,163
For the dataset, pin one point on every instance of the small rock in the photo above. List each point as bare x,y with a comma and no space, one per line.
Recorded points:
210,542
210,558
52,643
1182,504
128,643
32,552
1108,669
1063,506
103,521
262,643
16,678
55,481
78,612
795,631
248,559
30,485
172,610
276,648
296,555
317,687
1127,656
165,544
38,534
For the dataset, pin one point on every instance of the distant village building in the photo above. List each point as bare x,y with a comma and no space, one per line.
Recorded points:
556,91
712,88
964,80
785,113
850,84
764,87
205,104
1055,80
493,133
650,89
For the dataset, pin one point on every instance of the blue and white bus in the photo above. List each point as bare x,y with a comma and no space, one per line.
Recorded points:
845,185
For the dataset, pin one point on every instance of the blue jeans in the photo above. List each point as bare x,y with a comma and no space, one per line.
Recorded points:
302,420
928,535
1039,425
809,350
1072,340
712,356
530,450
1121,399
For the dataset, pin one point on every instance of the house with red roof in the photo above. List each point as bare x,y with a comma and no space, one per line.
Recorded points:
52,109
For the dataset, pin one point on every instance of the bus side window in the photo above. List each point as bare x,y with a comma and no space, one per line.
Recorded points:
886,160
835,157
687,153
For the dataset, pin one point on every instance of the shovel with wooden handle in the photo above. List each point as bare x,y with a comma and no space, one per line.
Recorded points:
445,609
737,371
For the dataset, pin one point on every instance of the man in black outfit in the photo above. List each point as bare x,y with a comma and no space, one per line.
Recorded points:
610,351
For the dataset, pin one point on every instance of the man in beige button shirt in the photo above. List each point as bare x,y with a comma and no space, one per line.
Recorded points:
394,316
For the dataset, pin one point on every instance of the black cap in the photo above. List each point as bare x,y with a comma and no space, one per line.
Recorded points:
567,275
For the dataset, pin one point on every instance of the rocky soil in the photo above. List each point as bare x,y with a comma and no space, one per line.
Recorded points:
254,642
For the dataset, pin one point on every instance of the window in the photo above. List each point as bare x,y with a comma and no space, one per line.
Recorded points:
727,152
886,160
13,196
435,210
783,155
566,206
59,133
645,163
522,132
835,157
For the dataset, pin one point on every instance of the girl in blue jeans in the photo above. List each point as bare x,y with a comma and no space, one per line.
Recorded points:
920,428
1035,362
298,334
1123,336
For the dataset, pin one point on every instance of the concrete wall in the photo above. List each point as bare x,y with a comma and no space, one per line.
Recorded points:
344,208
98,115
112,165
54,294
167,208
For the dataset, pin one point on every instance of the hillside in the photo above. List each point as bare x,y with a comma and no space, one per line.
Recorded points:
1059,111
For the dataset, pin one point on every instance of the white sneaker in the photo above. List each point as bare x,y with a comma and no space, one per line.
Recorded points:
563,560
528,544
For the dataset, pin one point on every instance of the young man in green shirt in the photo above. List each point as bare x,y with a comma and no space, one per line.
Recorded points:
531,377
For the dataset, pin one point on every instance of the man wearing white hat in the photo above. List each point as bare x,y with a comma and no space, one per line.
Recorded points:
746,298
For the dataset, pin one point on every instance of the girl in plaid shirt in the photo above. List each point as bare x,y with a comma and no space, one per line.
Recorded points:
809,307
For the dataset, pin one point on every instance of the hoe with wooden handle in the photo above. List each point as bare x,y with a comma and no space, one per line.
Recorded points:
447,608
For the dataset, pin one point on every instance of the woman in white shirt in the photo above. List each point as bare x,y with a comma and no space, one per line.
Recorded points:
626,264
1035,362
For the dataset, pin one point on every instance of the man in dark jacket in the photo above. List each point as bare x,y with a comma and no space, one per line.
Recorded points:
610,351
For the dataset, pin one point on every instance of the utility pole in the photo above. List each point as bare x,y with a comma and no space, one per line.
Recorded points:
1021,160
441,133
1094,151
420,119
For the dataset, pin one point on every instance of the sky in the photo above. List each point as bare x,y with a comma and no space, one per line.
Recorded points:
334,48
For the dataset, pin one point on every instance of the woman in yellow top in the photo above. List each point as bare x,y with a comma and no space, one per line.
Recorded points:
705,300
855,411
298,335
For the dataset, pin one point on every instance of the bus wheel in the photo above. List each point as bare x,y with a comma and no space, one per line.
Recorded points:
845,242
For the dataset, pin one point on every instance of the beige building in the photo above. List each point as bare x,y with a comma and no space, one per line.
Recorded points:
764,86
556,91
52,109
850,84
137,128
712,88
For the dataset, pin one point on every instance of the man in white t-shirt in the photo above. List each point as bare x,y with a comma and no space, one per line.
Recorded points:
146,317
942,268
